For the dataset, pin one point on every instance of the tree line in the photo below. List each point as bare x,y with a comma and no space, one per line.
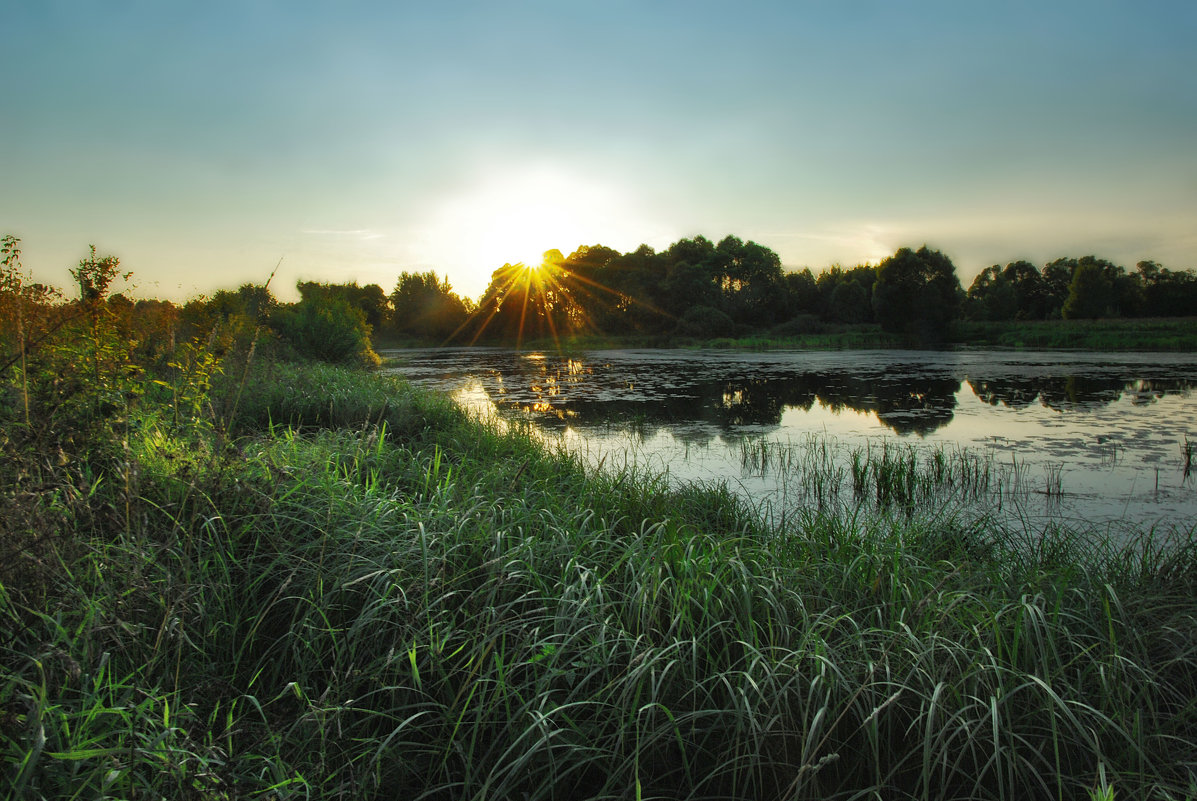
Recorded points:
695,288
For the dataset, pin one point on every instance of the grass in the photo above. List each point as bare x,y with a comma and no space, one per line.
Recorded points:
890,476
1153,334
1116,334
349,589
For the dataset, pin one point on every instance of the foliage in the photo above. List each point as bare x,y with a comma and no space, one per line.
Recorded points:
372,596
1166,293
423,305
347,588
1175,334
327,328
370,299
917,294
706,323
641,295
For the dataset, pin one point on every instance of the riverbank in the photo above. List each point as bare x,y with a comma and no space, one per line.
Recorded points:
324,583
1174,334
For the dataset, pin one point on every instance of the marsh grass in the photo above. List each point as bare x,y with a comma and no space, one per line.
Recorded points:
369,595
892,476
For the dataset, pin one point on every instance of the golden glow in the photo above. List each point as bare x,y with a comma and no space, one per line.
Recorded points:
514,216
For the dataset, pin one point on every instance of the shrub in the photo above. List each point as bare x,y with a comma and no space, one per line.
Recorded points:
704,321
327,329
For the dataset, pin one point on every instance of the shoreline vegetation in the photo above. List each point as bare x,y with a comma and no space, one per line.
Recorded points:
1164,335
229,570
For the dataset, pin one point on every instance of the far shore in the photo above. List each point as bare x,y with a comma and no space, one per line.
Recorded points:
1168,334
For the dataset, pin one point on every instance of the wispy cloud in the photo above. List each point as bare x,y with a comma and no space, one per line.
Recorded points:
363,234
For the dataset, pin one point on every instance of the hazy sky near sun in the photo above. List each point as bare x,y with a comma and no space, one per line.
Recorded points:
202,142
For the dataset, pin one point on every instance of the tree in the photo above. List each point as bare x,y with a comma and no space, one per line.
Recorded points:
850,304
688,286
1167,293
991,297
425,306
749,278
1057,278
1090,294
917,294
1099,288
370,299
849,301
327,328
802,293
1030,293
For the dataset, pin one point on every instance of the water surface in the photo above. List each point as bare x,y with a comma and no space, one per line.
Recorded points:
1095,437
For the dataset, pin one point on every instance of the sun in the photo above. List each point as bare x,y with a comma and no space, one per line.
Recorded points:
515,216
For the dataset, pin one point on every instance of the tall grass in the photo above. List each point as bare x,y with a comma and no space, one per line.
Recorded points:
368,595
890,476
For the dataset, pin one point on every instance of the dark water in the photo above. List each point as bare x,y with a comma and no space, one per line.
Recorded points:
1086,436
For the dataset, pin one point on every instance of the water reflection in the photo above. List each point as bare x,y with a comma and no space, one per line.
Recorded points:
909,396
1110,426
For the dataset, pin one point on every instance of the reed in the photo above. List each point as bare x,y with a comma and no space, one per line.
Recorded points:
886,474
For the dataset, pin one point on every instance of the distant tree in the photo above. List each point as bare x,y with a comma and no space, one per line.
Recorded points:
917,294
849,301
1167,293
991,296
848,304
688,286
704,322
1090,294
326,327
1100,288
425,306
521,303
1057,280
750,282
637,283
1030,292
698,250
802,293
591,303
369,299
256,301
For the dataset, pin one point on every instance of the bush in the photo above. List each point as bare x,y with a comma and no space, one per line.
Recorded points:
703,321
800,325
327,329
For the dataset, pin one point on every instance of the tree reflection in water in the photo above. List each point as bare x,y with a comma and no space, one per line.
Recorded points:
729,393
1103,432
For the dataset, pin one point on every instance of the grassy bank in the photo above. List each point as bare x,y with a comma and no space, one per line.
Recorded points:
1141,334
1152,334
321,583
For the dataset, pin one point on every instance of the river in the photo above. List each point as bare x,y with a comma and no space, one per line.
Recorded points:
1084,438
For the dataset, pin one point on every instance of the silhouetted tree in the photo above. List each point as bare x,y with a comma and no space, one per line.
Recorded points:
425,306
802,293
917,294
1099,288
1030,293
849,301
689,286
990,296
847,304
1167,293
1057,280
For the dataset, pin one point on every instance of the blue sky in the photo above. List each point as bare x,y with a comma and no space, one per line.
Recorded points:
202,142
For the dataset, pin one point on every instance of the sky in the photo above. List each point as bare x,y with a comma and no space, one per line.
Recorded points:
205,143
